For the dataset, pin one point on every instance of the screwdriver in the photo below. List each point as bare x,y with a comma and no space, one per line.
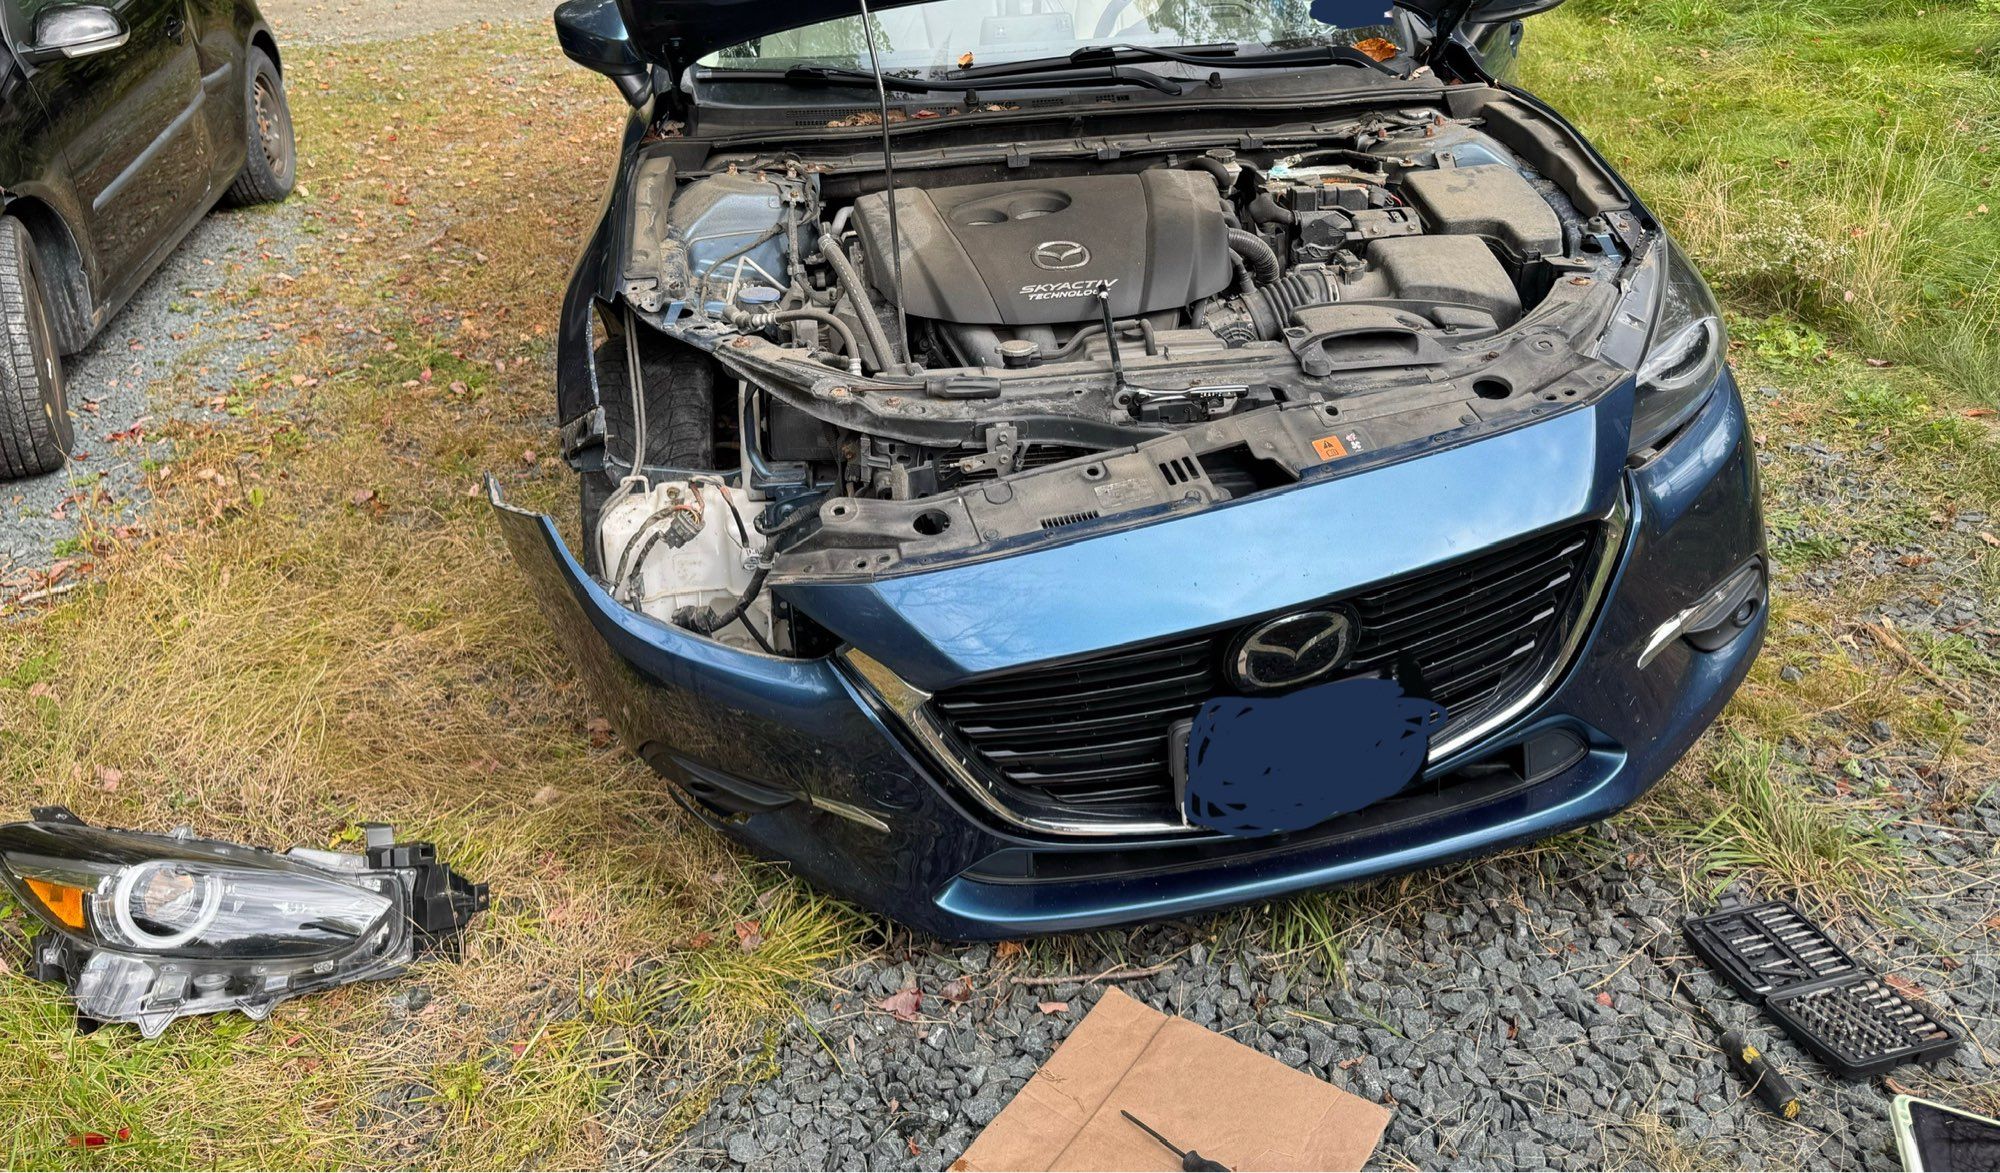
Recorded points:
1766,1082
1191,1161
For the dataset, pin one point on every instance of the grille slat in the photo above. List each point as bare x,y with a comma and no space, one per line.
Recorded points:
1093,733
1184,682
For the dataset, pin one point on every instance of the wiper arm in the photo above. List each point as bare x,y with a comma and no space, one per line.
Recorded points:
1212,55
1113,75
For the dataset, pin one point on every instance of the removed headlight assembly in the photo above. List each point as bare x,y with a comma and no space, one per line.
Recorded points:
147,928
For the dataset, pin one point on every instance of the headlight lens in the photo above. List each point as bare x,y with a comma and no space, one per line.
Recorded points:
160,905
1684,355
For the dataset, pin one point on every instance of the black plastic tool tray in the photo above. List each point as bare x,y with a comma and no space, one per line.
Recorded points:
1835,1007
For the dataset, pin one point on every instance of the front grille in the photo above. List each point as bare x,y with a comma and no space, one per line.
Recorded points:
1092,735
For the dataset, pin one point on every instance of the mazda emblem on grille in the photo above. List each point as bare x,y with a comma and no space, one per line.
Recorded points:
1060,254
1292,649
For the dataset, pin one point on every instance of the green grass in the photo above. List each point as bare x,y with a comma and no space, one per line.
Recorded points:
1831,161
1754,822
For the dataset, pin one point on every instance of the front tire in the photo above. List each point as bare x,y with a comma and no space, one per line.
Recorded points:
271,162
680,418
35,430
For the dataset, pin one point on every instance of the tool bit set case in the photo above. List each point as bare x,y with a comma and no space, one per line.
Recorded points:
1844,1013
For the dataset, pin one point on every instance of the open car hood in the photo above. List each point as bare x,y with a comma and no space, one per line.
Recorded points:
677,33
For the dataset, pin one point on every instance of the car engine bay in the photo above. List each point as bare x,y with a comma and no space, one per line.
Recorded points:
1092,334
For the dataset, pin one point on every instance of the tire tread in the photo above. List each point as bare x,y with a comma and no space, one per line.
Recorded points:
29,444
258,184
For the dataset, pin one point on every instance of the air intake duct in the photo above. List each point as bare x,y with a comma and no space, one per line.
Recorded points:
1271,306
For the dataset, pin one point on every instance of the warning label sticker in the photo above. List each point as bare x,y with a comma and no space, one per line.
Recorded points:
1330,447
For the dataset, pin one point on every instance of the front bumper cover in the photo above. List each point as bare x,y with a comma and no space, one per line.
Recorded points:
801,760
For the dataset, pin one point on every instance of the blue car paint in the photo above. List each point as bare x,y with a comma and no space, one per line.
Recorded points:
1328,535
809,734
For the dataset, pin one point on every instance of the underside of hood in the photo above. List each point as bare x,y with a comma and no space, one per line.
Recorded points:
677,33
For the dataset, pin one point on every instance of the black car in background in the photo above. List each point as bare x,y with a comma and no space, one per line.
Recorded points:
121,125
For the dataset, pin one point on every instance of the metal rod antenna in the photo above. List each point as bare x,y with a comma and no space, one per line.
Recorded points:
889,189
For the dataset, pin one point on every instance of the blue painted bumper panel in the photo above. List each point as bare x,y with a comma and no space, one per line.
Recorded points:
802,727
1276,550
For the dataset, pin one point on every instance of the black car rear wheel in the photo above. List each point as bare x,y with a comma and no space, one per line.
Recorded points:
35,433
272,161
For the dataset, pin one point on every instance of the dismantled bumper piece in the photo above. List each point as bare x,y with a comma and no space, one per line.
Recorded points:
147,928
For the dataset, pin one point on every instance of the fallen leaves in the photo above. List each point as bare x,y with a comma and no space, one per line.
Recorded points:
957,991
1008,949
902,1005
600,731
1903,986
1052,1007
749,935
108,778
1604,998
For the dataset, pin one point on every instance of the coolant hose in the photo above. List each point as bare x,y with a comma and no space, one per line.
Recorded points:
1257,254
1086,333
745,320
857,296
1216,169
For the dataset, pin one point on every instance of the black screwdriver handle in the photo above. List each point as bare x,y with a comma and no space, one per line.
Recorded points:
1768,1083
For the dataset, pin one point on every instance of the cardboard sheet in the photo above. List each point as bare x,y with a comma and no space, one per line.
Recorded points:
1197,1088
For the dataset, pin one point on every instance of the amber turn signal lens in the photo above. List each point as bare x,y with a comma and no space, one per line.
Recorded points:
63,902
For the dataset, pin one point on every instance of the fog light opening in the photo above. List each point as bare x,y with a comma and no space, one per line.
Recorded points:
1718,618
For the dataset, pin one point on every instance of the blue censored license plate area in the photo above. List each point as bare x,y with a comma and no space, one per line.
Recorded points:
1271,764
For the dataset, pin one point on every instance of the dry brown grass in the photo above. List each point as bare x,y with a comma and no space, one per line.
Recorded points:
325,629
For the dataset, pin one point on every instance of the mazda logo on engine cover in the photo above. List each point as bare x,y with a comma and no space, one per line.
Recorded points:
1292,650
1061,254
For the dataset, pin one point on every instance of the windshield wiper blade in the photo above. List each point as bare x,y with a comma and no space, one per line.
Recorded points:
1227,55
1113,75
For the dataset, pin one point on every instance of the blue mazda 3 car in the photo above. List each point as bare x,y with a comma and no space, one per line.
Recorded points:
1045,464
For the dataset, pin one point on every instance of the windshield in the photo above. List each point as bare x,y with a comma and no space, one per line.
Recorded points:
954,34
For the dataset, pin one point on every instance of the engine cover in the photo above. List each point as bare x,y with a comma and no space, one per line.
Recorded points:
1033,251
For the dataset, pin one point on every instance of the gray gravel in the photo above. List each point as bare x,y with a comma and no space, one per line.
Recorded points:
324,22
174,348
1516,1016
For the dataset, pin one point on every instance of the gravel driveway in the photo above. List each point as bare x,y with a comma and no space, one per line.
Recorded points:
176,349
1515,1016
347,21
